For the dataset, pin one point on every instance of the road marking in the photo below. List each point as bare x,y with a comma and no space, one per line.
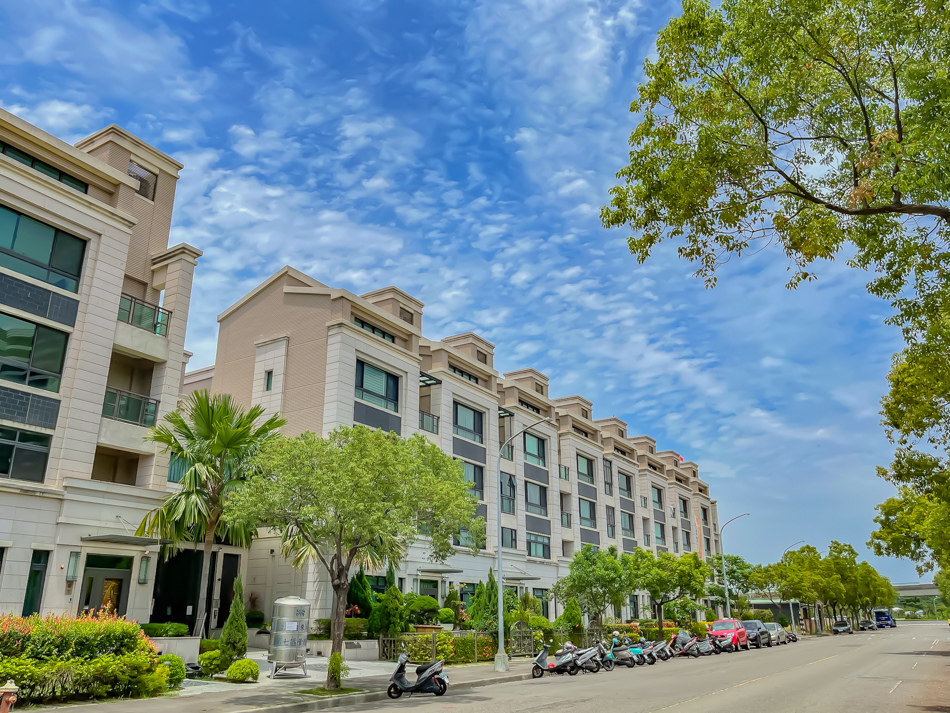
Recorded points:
915,665
895,686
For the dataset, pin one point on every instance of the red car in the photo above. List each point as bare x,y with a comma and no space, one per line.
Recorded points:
730,631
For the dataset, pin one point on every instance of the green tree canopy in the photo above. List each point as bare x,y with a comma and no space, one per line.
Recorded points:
357,497
597,579
667,577
217,439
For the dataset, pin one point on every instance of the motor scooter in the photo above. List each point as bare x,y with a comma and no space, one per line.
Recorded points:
722,646
706,648
563,661
587,660
683,644
621,652
606,656
430,678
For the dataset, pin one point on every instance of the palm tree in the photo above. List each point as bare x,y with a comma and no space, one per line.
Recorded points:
215,437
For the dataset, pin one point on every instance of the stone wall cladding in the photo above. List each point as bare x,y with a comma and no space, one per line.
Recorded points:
27,408
36,300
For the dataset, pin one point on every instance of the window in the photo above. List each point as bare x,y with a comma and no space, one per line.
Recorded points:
704,516
538,545
509,538
585,413
706,547
474,474
377,386
43,167
634,603
542,596
534,449
643,501
508,493
177,467
466,592
653,467
23,454
627,526
646,537
585,469
611,522
539,388
651,449
385,336
31,354
405,315
684,508
621,451
40,251
377,584
268,380
657,498
660,532
581,432
626,486
463,539
532,408
536,498
468,422
608,477
147,180
481,356
464,374
564,472
687,545
588,513
34,582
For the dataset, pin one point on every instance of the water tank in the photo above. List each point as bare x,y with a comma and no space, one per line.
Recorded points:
288,635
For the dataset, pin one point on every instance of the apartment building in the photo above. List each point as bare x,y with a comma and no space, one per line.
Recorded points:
93,310
323,357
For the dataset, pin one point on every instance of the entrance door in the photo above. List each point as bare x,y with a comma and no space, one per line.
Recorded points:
106,582
229,572
429,588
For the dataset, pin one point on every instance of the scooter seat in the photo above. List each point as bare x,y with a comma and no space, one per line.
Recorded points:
423,667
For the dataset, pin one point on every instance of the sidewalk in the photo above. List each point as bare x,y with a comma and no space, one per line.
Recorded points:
280,696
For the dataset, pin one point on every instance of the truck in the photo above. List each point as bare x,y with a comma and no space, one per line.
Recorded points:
883,618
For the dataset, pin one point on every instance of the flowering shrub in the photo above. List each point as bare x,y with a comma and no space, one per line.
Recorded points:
65,637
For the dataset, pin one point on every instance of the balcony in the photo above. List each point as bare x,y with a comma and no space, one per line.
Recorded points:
564,472
428,422
508,452
129,407
144,315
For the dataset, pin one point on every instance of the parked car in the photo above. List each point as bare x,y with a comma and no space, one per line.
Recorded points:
778,633
730,631
842,626
867,625
759,636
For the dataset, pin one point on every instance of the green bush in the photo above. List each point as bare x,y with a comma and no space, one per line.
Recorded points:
169,628
209,645
212,662
571,618
243,670
698,628
176,669
710,615
234,633
422,610
446,616
747,616
337,669
254,619
62,637
763,615
783,621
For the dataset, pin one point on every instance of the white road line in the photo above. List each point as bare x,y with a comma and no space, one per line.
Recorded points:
915,665
895,686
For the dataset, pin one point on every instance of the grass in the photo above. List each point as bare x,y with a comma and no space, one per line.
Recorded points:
321,691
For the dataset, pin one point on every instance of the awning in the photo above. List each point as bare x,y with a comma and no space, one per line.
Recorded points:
520,577
504,413
427,379
440,570
133,540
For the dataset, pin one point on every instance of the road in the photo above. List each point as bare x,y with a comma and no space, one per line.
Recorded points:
902,669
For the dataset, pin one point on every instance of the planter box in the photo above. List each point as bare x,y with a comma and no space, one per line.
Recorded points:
362,650
428,628
184,646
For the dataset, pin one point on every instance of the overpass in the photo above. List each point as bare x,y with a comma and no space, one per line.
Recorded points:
917,590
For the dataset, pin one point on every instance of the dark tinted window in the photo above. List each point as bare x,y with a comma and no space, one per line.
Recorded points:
38,250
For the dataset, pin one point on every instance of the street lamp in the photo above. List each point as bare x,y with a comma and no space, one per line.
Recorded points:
722,554
791,609
501,658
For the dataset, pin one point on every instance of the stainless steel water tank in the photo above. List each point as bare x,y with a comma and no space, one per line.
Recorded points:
288,634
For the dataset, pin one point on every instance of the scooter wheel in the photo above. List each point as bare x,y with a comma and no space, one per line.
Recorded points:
443,687
694,653
596,667
651,660
394,691
608,665
572,671
536,671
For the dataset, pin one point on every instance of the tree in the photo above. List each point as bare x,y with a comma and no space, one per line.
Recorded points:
528,606
571,618
360,595
738,572
942,580
667,577
597,579
217,439
357,497
234,633
389,615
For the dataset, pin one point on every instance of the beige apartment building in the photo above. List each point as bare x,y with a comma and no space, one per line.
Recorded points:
323,357
93,310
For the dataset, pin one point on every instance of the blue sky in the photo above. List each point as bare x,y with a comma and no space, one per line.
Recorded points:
462,150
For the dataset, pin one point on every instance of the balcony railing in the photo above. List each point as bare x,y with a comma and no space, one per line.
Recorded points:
508,452
565,519
129,407
564,472
144,315
428,422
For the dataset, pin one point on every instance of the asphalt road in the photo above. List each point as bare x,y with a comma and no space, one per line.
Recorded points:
902,669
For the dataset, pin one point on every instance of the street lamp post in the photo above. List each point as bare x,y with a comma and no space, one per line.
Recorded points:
722,555
501,658
791,609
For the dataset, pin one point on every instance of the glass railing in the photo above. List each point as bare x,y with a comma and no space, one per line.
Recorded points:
133,408
564,472
144,315
565,519
428,422
508,452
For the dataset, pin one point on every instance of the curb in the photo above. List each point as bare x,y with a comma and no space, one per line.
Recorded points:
352,699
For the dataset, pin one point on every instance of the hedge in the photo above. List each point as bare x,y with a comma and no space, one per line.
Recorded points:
165,629
62,637
353,628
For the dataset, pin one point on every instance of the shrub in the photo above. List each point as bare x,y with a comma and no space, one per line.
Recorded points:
763,615
169,628
747,616
446,616
254,618
176,669
337,668
63,637
422,610
571,618
710,615
234,633
783,621
209,645
698,628
243,670
212,662
360,595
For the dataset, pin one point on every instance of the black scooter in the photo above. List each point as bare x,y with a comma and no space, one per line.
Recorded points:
429,679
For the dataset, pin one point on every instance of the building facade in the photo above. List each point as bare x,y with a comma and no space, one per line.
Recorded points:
325,357
93,310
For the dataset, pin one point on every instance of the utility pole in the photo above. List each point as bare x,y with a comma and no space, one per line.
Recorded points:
722,554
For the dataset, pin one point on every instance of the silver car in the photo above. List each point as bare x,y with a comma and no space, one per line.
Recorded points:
779,636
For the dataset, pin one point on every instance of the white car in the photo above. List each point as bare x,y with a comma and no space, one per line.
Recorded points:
779,635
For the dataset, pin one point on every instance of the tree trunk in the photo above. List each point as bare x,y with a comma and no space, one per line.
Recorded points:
204,585
340,588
